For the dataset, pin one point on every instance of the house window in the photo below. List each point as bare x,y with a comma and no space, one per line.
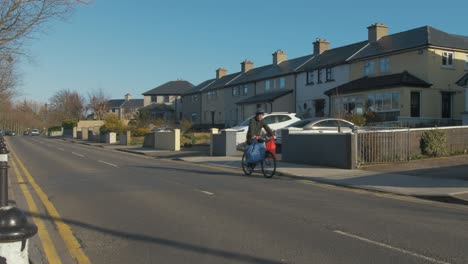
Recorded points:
310,77
329,74
383,102
234,91
246,89
282,81
447,59
275,83
267,85
369,67
319,76
384,64
319,105
194,117
166,99
154,98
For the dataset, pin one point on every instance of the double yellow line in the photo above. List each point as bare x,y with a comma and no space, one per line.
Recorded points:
64,230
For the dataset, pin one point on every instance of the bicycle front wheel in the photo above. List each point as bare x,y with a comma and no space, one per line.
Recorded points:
246,167
269,165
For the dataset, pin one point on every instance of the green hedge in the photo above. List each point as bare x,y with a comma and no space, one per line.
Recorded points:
434,143
69,123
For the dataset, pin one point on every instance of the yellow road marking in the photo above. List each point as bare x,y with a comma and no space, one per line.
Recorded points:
47,244
64,230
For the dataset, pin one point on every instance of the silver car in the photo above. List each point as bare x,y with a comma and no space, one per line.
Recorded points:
319,125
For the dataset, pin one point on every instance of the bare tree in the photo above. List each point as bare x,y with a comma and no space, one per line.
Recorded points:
66,104
19,19
8,80
98,103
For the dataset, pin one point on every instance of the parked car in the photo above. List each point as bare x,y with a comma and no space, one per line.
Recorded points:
35,132
26,133
275,121
319,125
10,133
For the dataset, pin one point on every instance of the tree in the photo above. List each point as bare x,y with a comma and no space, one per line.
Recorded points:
98,103
66,104
8,80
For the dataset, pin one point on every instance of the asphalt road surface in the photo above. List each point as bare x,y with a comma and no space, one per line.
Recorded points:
124,208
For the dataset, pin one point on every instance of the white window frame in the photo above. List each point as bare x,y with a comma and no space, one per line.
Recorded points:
446,55
319,75
329,74
267,85
282,82
310,77
384,65
369,67
245,89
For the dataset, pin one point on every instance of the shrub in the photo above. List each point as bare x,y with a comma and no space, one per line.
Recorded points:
69,123
112,124
356,119
140,132
434,143
159,123
185,125
372,117
55,128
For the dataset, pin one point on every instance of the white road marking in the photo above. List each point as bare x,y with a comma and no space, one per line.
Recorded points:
432,260
77,154
107,163
60,149
205,192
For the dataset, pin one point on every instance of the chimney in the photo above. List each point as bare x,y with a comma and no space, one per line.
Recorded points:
220,73
376,31
279,56
246,66
128,97
320,46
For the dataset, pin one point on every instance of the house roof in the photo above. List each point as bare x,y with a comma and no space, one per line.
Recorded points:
202,86
380,82
265,97
133,103
115,103
333,57
222,82
171,88
463,81
272,70
154,107
414,38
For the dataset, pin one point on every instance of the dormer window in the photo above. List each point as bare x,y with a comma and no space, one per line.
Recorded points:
447,59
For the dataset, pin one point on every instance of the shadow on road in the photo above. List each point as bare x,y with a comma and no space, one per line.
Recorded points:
162,241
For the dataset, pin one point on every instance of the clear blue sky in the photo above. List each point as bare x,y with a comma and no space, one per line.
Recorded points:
126,46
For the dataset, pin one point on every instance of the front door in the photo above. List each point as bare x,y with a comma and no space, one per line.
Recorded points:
446,105
415,104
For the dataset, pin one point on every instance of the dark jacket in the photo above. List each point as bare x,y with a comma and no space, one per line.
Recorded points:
255,128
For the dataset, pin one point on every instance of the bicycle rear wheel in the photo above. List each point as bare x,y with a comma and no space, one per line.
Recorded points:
246,167
269,165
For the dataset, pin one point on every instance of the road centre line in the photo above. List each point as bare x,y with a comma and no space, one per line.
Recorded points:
61,149
205,192
47,244
65,231
107,163
77,154
429,259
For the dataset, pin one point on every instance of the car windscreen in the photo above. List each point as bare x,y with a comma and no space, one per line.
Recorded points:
300,123
246,122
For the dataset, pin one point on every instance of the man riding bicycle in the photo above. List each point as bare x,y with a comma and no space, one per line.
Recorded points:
255,127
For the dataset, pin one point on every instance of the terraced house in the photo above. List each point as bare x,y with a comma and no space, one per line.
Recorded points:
408,76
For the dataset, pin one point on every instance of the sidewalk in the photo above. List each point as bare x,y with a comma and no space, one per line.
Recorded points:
384,181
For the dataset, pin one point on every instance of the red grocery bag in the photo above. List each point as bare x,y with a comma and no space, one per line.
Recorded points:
271,146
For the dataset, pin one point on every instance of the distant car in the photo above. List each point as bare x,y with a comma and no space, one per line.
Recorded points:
319,125
10,133
35,132
275,121
26,133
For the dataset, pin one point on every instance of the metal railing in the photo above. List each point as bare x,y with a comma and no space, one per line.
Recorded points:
382,145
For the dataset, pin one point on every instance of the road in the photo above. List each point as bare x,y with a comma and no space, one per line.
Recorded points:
124,208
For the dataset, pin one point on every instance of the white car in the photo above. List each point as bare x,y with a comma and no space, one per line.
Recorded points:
275,120
35,132
319,125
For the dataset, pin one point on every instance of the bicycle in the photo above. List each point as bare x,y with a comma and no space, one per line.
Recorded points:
268,164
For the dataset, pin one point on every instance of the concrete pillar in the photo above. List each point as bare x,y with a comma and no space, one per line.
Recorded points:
84,133
213,131
129,137
75,133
